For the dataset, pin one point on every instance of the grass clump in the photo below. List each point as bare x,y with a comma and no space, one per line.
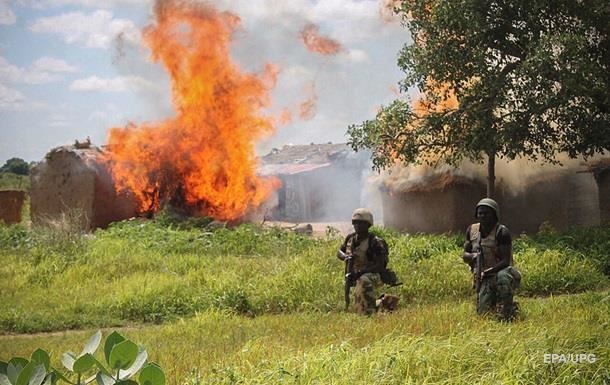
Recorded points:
443,343
55,278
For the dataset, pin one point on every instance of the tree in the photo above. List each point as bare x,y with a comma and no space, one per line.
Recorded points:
530,79
16,166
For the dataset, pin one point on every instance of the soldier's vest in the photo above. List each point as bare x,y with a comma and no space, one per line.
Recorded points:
359,252
489,244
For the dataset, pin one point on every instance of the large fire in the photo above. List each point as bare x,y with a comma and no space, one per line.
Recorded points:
314,42
203,159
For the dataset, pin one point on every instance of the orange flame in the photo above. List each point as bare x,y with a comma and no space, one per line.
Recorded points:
308,108
310,35
203,159
448,100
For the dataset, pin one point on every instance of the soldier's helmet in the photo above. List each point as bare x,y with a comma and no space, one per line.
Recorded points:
489,203
363,215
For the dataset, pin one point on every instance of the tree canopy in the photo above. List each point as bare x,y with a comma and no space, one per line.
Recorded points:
513,78
16,166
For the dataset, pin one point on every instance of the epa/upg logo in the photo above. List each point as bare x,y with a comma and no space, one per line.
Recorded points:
580,358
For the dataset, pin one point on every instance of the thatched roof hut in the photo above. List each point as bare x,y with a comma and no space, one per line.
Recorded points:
437,203
73,180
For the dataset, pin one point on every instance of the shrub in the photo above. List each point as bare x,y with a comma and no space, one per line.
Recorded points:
123,358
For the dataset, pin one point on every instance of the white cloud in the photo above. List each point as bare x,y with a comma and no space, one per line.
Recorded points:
44,70
116,84
347,21
49,64
39,4
7,16
94,30
357,55
10,99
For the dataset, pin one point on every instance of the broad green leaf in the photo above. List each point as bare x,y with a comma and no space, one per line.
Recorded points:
83,363
103,379
42,357
4,379
123,355
38,374
68,360
111,340
137,365
13,369
101,368
19,362
30,371
152,374
92,344
3,366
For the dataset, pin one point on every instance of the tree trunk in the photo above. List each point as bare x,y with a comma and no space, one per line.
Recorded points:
491,174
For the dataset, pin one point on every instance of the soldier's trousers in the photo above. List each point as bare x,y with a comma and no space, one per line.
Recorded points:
365,293
498,289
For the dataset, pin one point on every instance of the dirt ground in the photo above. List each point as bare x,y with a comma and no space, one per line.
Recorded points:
318,228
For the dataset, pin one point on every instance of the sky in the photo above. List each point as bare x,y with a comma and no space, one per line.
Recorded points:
71,69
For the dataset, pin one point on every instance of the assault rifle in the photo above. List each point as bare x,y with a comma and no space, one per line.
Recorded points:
478,271
349,275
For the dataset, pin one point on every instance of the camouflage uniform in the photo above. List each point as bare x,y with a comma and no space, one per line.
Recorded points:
498,287
501,279
370,256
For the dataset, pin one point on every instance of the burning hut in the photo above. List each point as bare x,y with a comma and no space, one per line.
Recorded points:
11,203
437,203
73,180
562,199
320,182
442,202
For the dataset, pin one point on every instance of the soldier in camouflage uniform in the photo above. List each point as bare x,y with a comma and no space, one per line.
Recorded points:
370,257
492,242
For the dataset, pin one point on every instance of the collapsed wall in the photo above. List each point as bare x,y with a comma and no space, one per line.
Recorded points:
73,180
11,204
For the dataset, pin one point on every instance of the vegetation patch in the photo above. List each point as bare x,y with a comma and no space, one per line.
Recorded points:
57,278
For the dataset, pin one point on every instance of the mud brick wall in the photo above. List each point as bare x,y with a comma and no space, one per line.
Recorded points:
11,203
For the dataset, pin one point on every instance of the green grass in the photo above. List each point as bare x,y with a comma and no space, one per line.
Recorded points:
254,306
147,271
11,181
441,343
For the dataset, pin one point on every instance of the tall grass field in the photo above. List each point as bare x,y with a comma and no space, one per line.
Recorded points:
262,306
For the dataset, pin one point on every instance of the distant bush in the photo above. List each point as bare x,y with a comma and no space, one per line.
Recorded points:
16,166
